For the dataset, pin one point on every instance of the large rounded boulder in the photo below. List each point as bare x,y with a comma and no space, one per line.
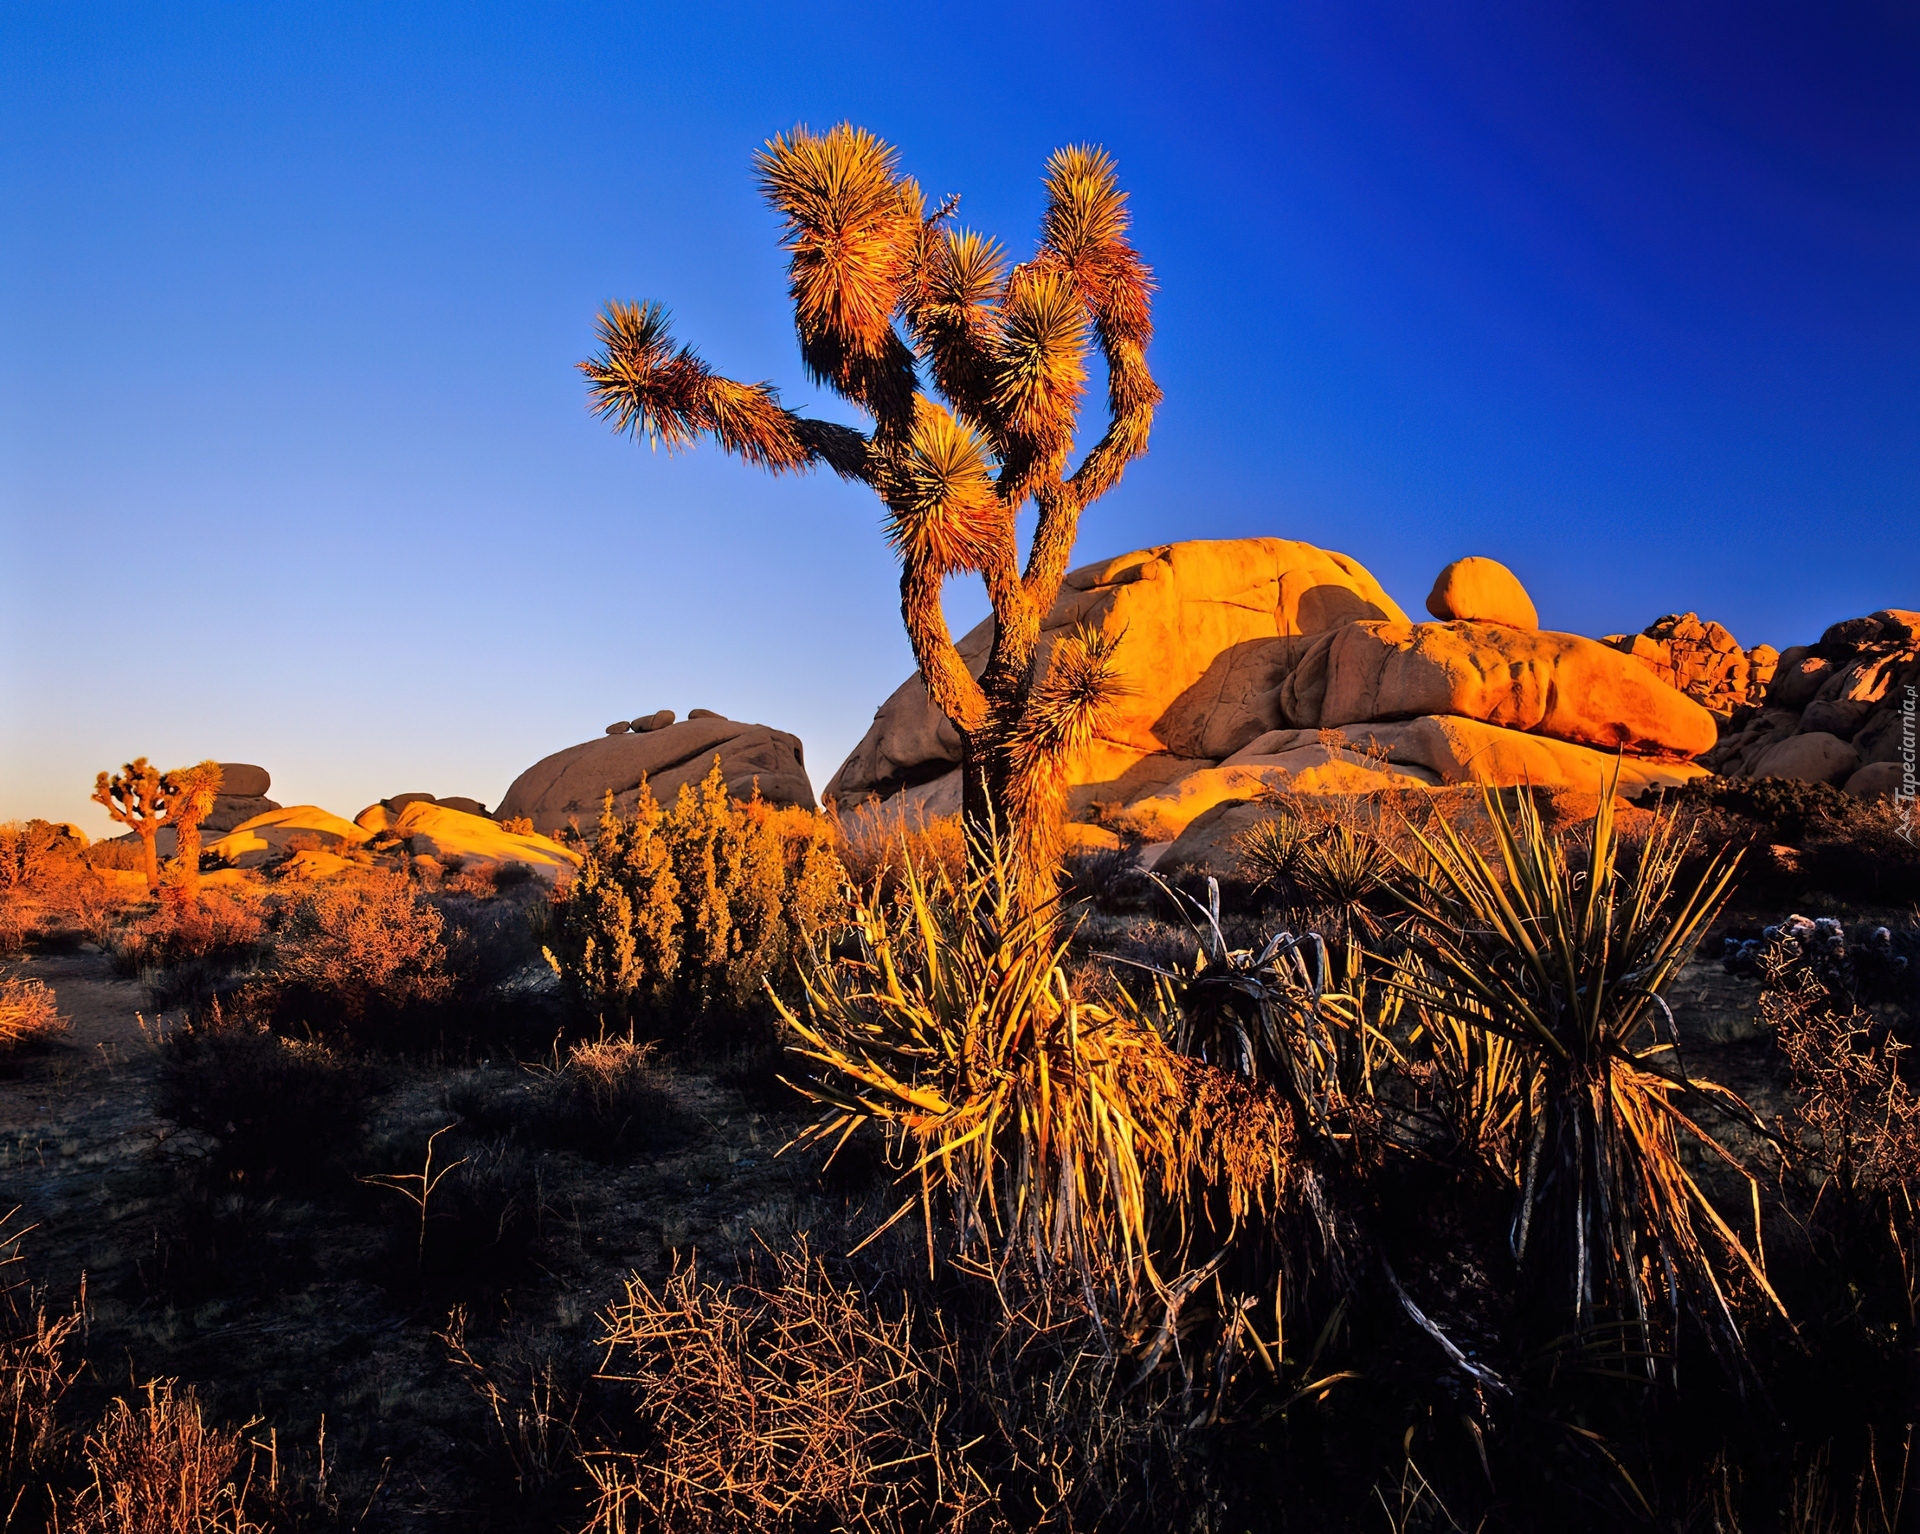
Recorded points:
1537,682
1208,631
571,785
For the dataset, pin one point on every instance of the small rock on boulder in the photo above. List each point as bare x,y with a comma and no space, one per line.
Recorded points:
1481,590
242,780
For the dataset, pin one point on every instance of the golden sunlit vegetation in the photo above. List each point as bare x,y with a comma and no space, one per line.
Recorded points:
1373,1183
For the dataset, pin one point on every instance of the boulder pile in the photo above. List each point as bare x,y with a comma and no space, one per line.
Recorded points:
1703,660
1834,710
1260,665
243,795
571,785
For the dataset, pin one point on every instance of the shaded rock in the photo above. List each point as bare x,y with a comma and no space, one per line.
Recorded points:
703,713
1815,757
1558,685
657,720
570,785
1208,632
1481,590
461,803
230,810
618,727
1878,780
1796,684
243,780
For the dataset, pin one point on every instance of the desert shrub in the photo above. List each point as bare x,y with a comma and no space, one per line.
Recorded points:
155,1466
220,925
1785,809
468,1218
1109,877
518,825
47,889
29,1015
33,852
121,853
693,907
357,950
790,1400
276,1109
880,839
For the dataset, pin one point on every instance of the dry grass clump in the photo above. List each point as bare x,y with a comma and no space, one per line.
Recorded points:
29,1015
693,907
155,1466
792,1399
37,1368
770,1406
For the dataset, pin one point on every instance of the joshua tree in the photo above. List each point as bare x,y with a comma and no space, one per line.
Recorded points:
194,790
142,797
888,295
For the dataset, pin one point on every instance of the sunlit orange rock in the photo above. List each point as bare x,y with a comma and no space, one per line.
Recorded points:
1558,685
1208,628
1481,590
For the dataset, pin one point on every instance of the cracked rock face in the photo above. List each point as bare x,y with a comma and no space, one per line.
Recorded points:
571,785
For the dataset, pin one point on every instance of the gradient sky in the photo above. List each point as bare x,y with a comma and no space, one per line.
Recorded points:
294,467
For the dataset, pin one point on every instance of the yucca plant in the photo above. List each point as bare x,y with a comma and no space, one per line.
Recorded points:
1049,1127
885,289
1566,953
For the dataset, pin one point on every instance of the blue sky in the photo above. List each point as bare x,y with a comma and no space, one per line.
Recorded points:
294,467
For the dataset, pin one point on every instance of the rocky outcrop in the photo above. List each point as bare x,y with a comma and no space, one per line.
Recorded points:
1481,590
1702,660
1262,666
1557,685
269,836
571,785
1832,709
383,815
1208,631
444,834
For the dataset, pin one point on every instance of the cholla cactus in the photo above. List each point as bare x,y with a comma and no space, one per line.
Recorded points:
889,296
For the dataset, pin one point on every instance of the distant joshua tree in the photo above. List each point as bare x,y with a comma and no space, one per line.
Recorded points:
143,798
881,289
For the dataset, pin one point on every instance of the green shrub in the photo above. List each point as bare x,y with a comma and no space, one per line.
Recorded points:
694,906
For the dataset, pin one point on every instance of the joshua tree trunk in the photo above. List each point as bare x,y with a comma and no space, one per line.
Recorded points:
1006,350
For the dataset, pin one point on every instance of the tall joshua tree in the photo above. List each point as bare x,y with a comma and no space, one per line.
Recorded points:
889,296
